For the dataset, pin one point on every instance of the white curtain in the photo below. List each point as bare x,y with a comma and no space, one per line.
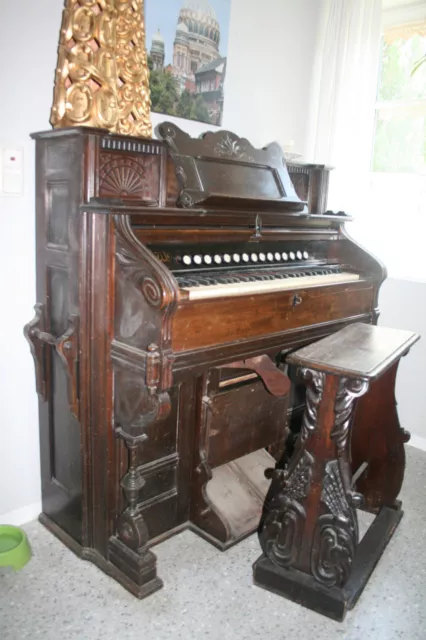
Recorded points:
343,97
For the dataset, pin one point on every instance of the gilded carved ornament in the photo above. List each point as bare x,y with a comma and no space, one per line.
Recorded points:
102,76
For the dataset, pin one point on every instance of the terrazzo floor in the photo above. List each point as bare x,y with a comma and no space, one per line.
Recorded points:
210,595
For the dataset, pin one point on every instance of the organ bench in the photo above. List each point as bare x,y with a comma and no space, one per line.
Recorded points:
309,527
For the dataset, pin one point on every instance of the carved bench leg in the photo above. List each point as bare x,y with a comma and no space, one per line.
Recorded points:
309,529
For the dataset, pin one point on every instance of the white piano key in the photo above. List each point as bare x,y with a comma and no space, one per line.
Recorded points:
262,286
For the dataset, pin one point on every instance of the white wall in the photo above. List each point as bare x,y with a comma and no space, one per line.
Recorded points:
269,66
403,306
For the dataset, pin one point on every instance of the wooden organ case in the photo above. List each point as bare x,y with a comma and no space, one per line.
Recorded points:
164,312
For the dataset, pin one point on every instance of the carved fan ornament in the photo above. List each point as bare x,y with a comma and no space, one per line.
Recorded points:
123,177
102,76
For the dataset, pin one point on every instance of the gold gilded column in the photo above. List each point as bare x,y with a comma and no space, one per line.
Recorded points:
102,77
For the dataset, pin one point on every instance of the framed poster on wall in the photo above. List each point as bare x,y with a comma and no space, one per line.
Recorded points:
187,43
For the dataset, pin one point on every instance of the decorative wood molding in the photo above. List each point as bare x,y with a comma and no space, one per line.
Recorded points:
349,390
315,381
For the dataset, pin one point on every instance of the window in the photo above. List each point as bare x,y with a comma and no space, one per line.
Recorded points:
400,130
395,202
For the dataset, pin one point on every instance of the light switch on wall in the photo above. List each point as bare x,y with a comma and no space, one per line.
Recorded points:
11,171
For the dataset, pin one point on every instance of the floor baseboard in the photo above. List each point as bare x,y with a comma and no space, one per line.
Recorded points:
22,515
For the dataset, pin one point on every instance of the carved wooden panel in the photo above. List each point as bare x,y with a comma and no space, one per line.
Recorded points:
129,177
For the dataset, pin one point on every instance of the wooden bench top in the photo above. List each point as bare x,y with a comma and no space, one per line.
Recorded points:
357,351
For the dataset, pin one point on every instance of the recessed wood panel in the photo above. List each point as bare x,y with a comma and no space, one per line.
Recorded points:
205,323
242,420
57,212
250,181
58,288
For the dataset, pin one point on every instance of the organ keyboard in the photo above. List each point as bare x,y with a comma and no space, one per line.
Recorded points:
172,278
231,284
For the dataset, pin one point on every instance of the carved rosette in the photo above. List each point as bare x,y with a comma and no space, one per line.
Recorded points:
281,529
336,533
315,381
102,76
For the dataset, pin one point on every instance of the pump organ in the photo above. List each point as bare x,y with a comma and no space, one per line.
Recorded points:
165,309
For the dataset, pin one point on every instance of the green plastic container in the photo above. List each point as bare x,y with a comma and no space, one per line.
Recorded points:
15,550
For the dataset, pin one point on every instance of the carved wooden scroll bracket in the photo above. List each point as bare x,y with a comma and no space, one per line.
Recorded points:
66,347
276,381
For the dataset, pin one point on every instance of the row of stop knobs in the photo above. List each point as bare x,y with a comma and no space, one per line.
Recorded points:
236,258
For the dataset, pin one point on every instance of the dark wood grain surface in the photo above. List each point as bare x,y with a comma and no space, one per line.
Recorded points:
309,528
133,417
360,350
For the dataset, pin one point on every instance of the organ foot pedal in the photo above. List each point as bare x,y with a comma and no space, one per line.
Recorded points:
309,526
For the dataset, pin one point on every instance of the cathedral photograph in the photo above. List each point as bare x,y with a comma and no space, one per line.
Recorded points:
187,43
